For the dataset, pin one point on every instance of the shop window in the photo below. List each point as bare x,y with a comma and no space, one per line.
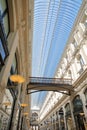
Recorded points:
56,115
78,113
61,113
62,124
77,104
67,109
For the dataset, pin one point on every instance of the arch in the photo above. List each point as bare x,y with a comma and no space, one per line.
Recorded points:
69,74
78,112
61,111
35,114
78,57
80,63
69,71
69,121
65,61
67,111
76,98
77,104
67,105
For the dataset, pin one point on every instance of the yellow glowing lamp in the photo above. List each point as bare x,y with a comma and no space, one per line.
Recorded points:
82,114
7,103
17,78
69,118
23,105
62,120
25,113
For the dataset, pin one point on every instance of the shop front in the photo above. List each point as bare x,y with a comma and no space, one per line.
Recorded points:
69,122
78,113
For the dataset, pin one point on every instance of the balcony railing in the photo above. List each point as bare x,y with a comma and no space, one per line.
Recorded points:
42,80
62,85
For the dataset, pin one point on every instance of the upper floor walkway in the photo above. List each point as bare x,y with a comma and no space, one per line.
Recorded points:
50,84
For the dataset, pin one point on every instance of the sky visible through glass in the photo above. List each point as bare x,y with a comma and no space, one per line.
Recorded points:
53,21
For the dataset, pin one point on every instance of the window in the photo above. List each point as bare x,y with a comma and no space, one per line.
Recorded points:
4,31
14,65
67,109
75,44
2,6
6,24
77,104
4,17
80,63
2,52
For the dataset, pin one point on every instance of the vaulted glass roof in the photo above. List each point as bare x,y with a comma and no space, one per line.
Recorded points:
53,22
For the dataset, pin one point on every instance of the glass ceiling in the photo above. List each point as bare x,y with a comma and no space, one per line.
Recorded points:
53,21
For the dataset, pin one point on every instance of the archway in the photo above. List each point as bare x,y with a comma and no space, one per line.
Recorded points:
78,113
69,121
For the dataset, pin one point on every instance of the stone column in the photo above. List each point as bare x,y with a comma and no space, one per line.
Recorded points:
59,121
64,118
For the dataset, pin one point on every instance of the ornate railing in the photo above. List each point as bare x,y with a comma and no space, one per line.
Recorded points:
42,80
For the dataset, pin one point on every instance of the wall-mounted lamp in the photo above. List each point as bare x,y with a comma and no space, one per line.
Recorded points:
7,103
23,105
69,118
17,78
25,113
81,114
62,120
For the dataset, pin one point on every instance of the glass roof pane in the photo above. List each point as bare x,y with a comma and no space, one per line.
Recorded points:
53,22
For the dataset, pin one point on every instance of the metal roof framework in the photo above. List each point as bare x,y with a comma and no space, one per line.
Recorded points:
53,22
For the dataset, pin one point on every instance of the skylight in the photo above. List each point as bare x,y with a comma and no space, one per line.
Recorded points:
53,22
